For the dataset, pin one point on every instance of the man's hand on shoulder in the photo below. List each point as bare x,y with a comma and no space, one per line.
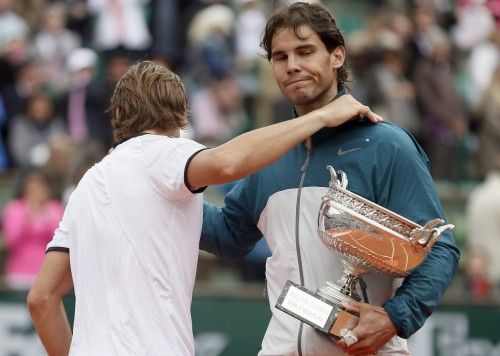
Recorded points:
344,109
373,331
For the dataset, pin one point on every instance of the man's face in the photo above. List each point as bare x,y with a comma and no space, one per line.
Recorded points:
303,68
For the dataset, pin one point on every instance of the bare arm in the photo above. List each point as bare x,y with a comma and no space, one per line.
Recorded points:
256,149
45,303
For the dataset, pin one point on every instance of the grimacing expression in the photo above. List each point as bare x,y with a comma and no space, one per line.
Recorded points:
303,68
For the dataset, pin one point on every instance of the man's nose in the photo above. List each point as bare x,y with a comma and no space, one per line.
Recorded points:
293,65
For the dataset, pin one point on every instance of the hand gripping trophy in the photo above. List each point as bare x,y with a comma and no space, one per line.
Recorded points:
369,238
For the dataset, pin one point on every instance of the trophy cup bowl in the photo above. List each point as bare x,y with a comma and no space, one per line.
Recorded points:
369,238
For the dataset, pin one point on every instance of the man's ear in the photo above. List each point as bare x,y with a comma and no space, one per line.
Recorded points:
338,57
117,113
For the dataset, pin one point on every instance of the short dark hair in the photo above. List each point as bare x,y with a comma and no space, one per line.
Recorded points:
148,97
318,19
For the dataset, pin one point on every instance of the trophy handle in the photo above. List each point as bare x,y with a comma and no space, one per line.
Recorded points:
334,181
428,234
436,232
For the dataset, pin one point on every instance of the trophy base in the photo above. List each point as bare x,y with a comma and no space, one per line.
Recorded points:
315,310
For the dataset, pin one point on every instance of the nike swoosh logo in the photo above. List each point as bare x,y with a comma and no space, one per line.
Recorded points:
341,152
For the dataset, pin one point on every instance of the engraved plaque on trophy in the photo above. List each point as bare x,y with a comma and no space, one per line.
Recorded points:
370,238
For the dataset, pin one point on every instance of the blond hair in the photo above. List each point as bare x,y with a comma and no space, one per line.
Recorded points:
147,97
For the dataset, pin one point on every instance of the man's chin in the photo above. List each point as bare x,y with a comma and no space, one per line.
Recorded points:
300,101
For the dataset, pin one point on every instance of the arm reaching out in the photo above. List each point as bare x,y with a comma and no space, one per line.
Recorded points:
256,149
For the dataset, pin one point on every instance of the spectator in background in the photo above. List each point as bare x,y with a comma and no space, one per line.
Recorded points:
210,36
13,97
166,31
489,126
30,11
424,29
13,42
4,158
444,122
30,132
81,66
395,96
483,221
478,282
401,25
359,46
98,95
484,59
61,152
79,20
120,24
249,26
29,223
494,7
29,79
12,27
53,45
474,24
216,101
483,208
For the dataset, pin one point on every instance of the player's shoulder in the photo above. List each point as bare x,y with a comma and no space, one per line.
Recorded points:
179,143
387,129
389,133
389,139
182,142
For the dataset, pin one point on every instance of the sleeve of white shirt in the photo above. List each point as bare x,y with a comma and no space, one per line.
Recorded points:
165,163
60,240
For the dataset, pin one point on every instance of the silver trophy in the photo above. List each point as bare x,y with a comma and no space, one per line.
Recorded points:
370,238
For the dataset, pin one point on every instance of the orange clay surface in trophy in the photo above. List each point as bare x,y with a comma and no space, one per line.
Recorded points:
380,250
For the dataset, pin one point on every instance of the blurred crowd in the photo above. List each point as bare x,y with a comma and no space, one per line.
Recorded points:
430,65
